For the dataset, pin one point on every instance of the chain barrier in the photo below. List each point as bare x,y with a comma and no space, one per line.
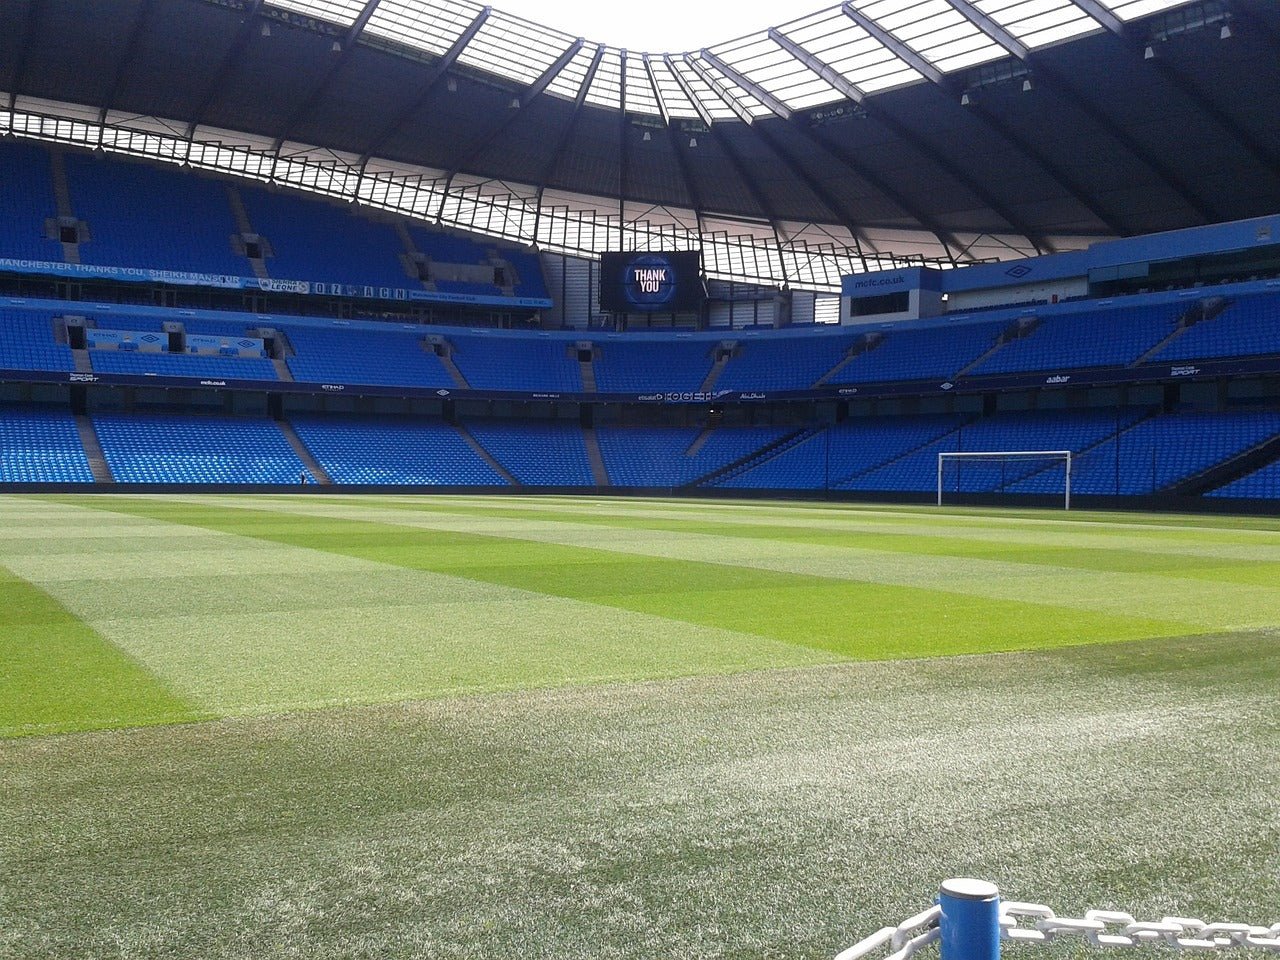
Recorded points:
1036,923
905,940
1113,928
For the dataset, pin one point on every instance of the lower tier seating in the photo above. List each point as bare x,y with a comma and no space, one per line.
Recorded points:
385,451
1260,484
537,454
660,456
183,448
41,445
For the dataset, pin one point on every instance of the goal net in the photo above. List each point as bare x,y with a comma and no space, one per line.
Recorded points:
1006,471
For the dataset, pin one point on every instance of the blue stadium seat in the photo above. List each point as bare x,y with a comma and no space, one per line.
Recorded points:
1111,336
349,353
142,215
537,453
1247,327
27,342
782,362
312,239
393,451
41,445
26,202
183,448
658,457
505,362
630,364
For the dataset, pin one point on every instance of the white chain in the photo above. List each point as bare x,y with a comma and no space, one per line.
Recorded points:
905,940
1113,928
1036,923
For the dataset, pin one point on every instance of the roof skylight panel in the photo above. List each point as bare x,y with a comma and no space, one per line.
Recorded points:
606,89
935,30
343,12
673,95
1039,22
1132,9
764,62
431,27
708,99
514,48
724,87
569,81
852,52
640,95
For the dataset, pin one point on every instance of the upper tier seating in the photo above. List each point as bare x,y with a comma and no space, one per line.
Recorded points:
657,456
154,217
393,451
178,448
1096,338
537,453
637,366
363,355
497,362
314,240
919,354
1248,327
27,343
529,281
26,202
783,363
41,445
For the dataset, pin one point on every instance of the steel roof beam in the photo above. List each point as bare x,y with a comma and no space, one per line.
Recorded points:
834,207
563,141
322,86
623,152
699,107
925,68
832,77
230,63
122,64
429,81
1104,16
28,35
673,136
530,93
850,90
1062,88
991,28
760,93
895,46
726,97
1185,86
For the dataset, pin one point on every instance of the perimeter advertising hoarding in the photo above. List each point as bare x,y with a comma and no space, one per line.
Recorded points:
651,282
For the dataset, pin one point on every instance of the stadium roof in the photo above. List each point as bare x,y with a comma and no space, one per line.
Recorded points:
885,130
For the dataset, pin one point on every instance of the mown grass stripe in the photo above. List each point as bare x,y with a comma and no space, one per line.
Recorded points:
852,618
1195,605
58,675
242,625
1258,564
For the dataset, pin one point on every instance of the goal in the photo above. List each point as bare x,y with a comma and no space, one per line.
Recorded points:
1014,465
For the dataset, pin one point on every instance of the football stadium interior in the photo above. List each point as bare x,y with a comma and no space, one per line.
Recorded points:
470,490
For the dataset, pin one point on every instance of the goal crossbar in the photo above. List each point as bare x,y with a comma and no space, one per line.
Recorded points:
1063,455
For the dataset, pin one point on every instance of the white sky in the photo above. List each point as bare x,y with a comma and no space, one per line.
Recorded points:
659,26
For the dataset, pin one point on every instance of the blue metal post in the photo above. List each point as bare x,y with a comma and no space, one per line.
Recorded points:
970,922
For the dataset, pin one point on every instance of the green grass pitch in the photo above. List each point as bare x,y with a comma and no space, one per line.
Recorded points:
321,727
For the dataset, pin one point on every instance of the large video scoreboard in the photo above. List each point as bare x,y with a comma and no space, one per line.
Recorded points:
651,282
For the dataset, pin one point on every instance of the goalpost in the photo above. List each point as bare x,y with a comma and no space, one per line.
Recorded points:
1007,456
